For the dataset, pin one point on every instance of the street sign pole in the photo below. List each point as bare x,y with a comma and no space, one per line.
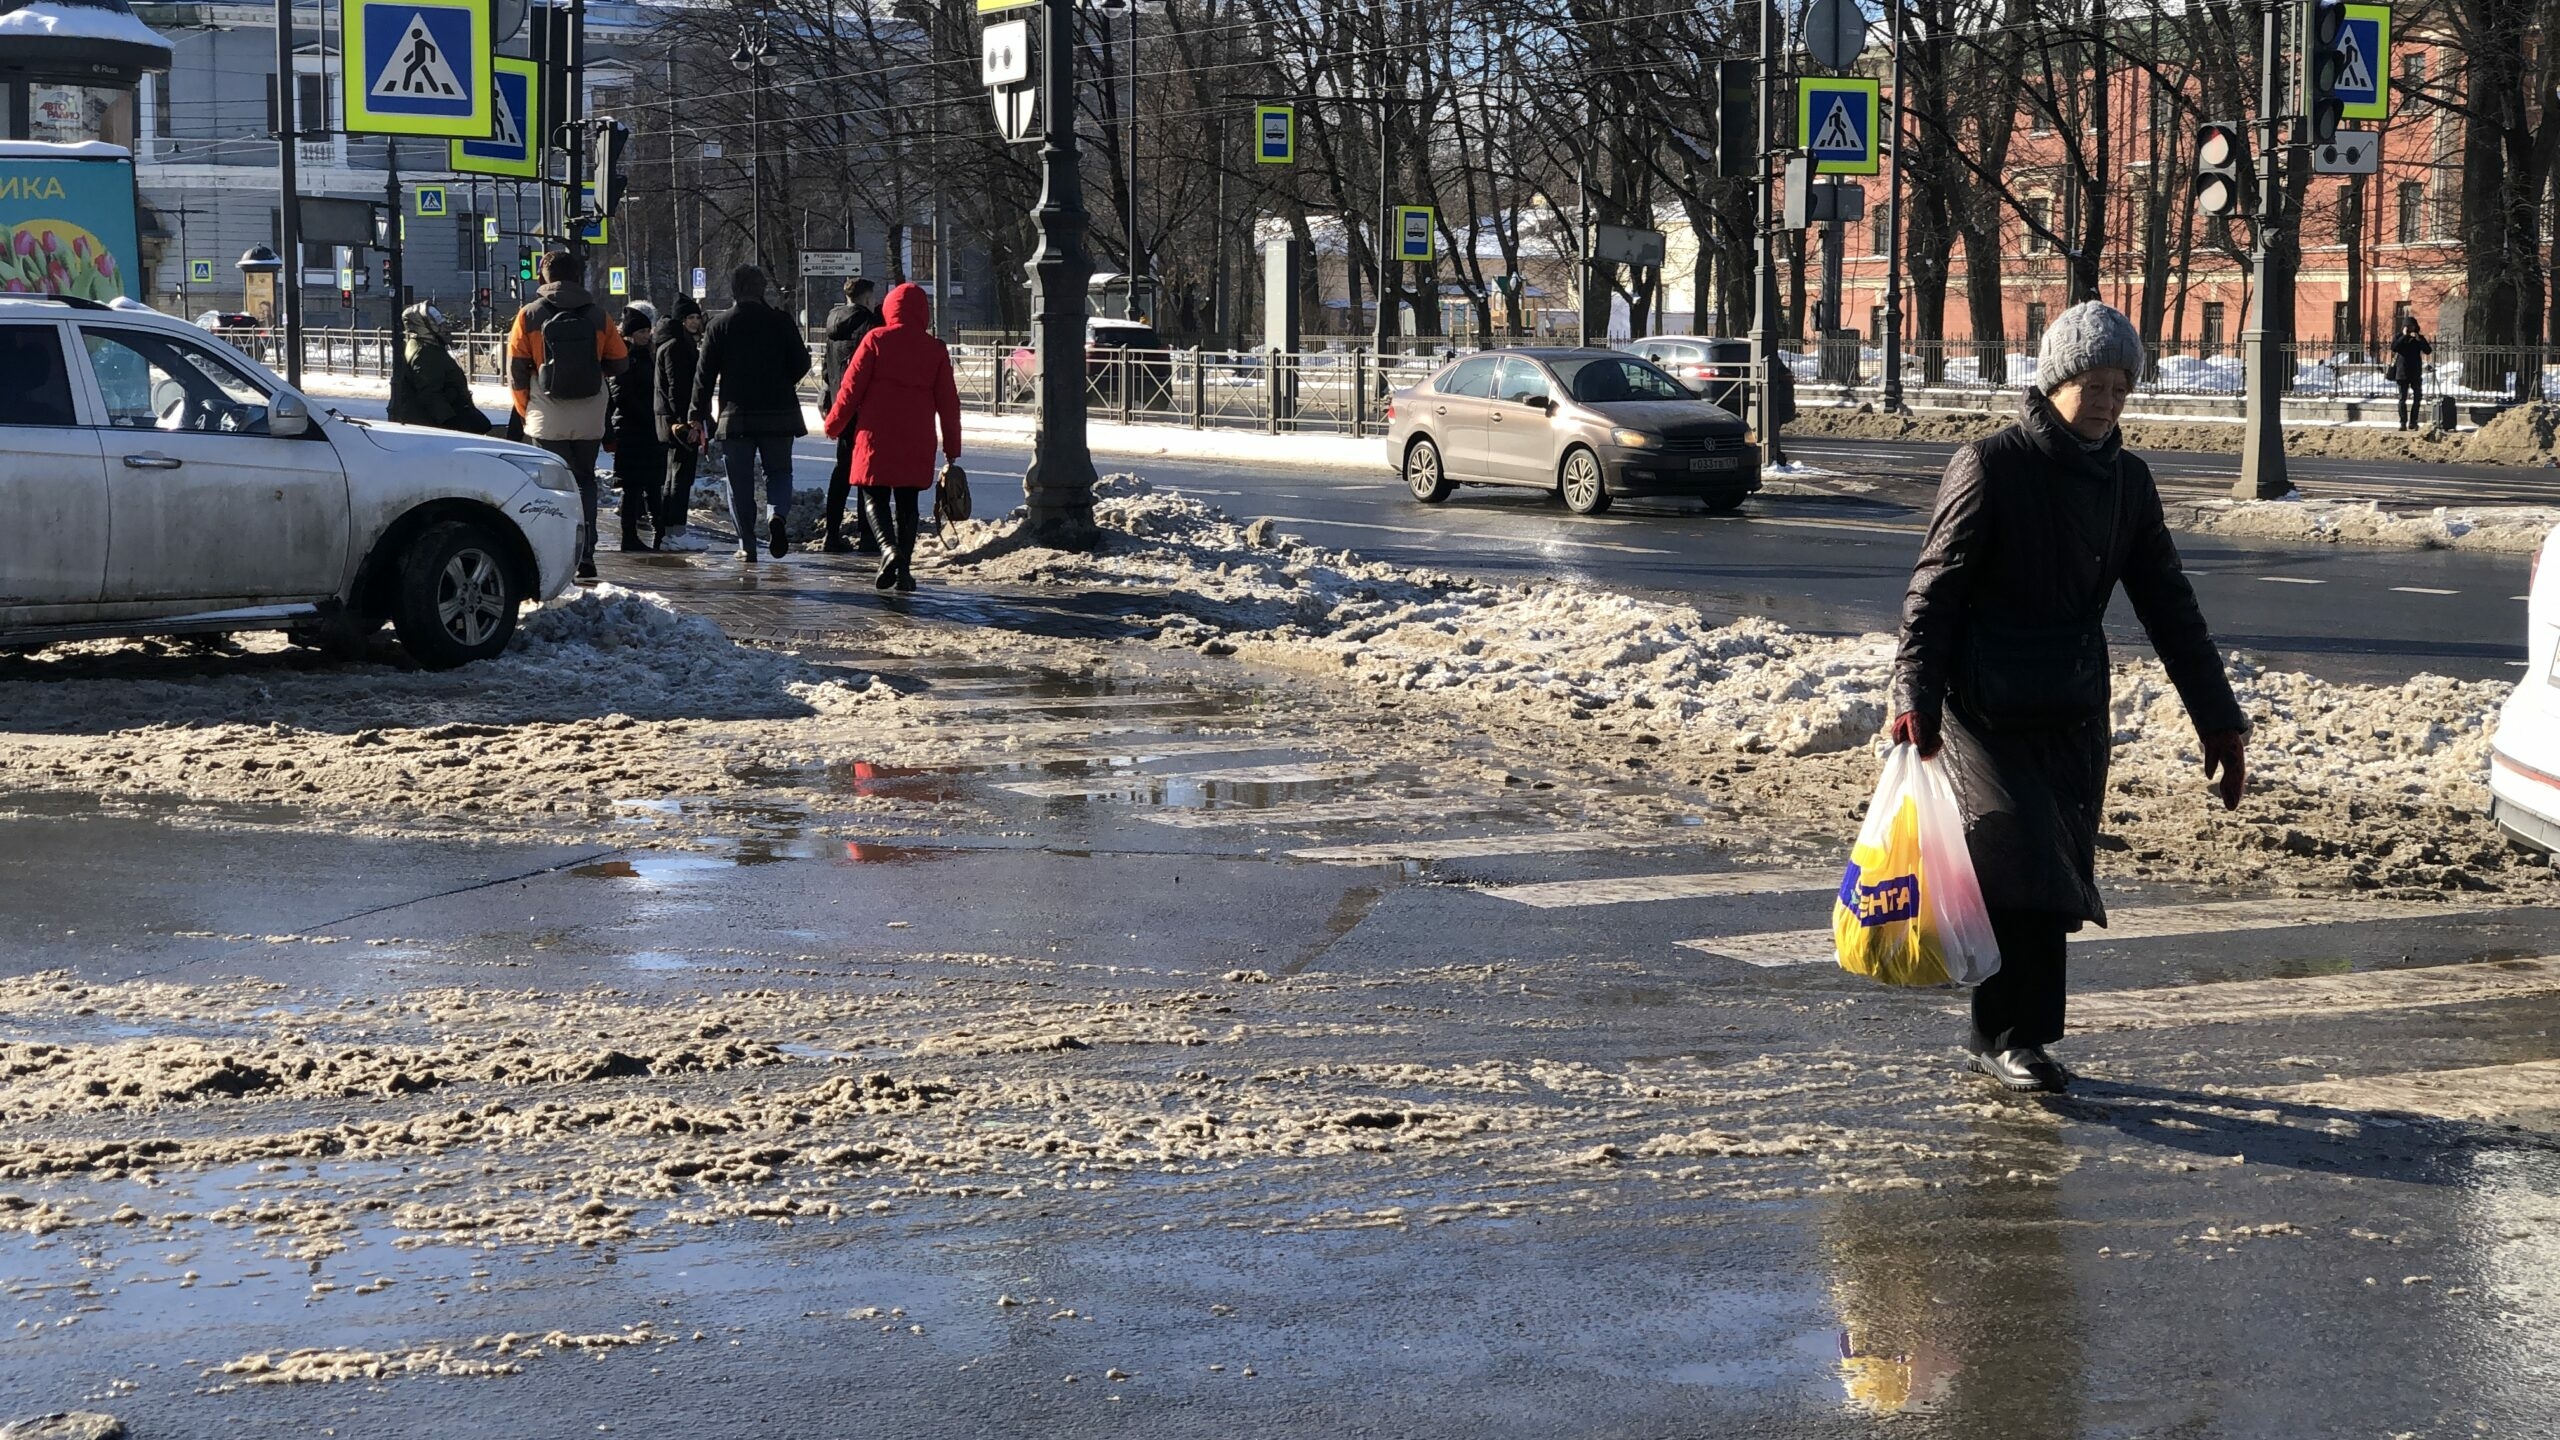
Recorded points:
1058,486
2262,460
1892,336
392,269
1764,285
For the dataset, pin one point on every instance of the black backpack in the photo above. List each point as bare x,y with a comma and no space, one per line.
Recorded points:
571,369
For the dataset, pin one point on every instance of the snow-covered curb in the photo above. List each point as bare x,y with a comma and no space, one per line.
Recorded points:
2504,529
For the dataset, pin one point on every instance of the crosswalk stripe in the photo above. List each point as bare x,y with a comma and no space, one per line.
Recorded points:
967,704
2357,992
2487,1094
1238,775
1633,889
2152,922
1517,842
1319,813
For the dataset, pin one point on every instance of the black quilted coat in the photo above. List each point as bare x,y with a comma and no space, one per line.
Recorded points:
2001,638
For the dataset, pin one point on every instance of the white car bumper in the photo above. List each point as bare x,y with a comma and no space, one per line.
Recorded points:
549,520
2525,800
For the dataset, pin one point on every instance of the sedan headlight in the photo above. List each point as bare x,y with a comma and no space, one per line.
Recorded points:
543,470
1635,439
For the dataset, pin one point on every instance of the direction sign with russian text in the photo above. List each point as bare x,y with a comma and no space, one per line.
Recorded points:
416,67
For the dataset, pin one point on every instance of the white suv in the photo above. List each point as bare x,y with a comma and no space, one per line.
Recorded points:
155,481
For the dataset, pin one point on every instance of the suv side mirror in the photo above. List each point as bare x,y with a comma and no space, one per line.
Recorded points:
288,415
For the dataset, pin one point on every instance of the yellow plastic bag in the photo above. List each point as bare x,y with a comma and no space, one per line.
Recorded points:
1909,910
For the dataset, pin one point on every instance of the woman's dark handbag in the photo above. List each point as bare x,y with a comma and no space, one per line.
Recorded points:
951,495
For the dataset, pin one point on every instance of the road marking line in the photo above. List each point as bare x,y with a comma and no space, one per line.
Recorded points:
1523,842
2154,922
969,705
2489,1094
1635,889
1239,775
1320,813
1444,532
2421,590
2363,991
2288,580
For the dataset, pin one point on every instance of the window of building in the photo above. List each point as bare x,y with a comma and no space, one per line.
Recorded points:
1882,215
1875,322
2413,209
2401,311
2212,339
2413,67
2347,215
2035,321
2164,109
2038,122
160,122
2342,322
2039,215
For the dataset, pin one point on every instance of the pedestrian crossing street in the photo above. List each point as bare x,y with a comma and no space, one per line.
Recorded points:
2151,922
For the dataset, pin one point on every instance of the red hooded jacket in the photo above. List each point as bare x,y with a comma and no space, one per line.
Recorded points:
897,383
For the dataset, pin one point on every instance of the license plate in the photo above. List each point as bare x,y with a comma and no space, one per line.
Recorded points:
1714,462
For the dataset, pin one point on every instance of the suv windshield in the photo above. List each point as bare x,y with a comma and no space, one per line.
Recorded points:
1603,378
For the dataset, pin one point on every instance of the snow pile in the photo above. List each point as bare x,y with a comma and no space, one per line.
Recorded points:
1550,654
2507,529
604,651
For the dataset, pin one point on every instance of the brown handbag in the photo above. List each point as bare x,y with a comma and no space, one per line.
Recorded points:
951,495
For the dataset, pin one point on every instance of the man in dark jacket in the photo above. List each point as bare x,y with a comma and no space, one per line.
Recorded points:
753,360
846,325
676,349
2409,352
639,458
2004,662
433,390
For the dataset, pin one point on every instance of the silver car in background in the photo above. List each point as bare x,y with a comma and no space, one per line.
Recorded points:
1589,426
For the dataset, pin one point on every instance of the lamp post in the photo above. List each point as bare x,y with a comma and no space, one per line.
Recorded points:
754,55
1058,486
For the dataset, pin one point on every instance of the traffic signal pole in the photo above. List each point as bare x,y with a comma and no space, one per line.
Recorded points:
2263,363
1764,302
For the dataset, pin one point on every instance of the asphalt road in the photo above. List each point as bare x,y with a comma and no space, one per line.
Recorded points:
1838,562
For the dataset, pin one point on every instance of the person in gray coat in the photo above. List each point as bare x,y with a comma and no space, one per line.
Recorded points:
2003,665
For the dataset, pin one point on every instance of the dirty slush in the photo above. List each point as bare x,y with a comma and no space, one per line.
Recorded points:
443,1166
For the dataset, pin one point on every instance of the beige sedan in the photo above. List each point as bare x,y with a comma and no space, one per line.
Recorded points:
1586,425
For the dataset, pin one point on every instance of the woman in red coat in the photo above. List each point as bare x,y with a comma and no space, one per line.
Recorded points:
898,382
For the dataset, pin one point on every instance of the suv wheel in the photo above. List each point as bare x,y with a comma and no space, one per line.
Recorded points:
457,600
1584,492
1429,483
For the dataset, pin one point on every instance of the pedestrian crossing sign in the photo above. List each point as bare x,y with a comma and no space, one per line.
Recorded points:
2364,71
617,280
598,230
1275,135
1836,124
488,229
415,67
515,125
430,202
200,272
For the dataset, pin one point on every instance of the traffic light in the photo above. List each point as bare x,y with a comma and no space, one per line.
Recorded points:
1737,100
2323,67
611,139
524,266
2223,182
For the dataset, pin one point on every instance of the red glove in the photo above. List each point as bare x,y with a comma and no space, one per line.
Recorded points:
2223,752
1918,731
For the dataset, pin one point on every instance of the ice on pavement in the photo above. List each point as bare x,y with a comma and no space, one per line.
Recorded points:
2507,529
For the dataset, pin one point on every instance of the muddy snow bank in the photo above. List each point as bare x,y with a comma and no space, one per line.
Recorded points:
2377,785
2506,529
603,651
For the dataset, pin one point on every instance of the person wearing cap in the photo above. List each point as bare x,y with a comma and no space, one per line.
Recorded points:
676,349
2002,672
432,389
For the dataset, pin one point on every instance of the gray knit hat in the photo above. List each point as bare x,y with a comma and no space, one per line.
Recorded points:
2092,335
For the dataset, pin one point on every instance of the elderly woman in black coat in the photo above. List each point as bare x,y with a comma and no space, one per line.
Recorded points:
2003,664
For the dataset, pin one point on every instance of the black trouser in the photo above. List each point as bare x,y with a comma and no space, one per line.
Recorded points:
676,500
2021,1004
893,518
839,485
580,457
641,471
2413,401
